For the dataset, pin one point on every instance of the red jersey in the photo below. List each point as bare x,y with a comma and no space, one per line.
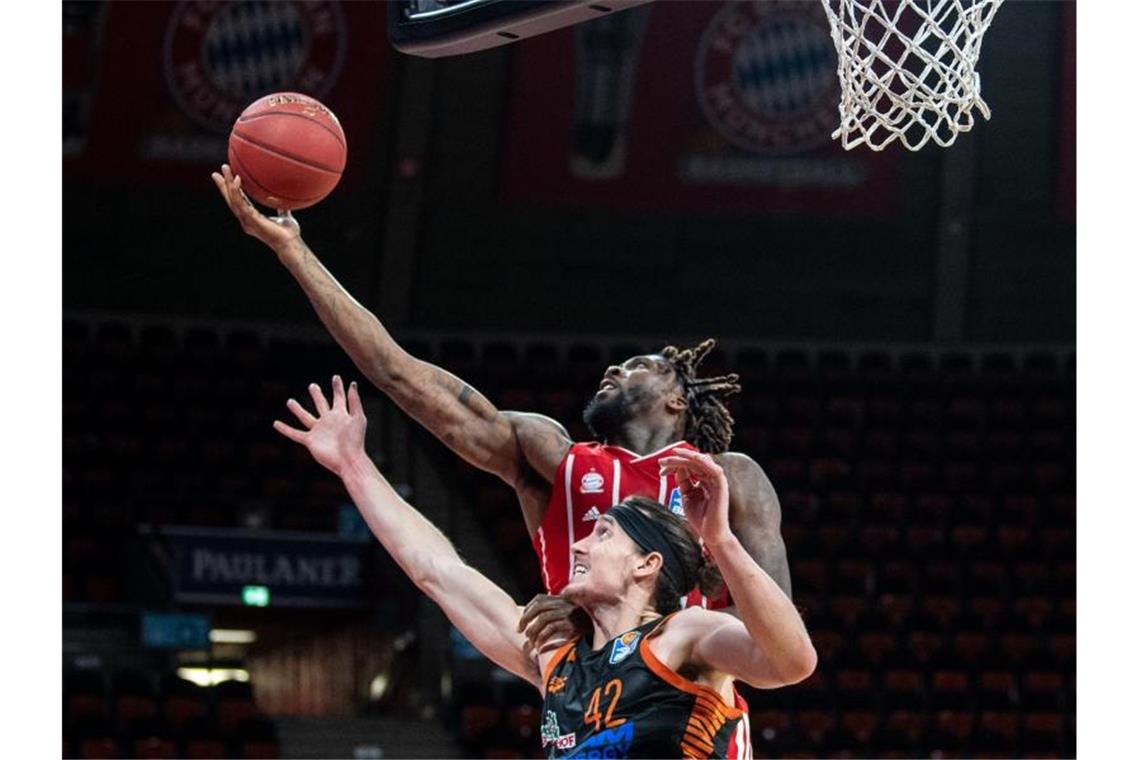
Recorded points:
591,478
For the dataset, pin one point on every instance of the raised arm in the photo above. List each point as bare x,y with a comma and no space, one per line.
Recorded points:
754,514
767,645
485,614
461,417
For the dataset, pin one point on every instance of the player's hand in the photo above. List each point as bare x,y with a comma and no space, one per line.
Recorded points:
704,492
336,434
549,621
277,232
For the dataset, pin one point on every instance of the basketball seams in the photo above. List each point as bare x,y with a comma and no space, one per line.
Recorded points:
284,154
248,176
338,135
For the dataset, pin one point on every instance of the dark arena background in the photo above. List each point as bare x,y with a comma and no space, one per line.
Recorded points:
903,324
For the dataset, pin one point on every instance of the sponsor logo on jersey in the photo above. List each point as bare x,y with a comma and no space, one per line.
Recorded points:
765,76
591,515
557,684
676,506
624,646
550,735
613,742
592,482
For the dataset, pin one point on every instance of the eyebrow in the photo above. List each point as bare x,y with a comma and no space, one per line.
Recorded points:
606,519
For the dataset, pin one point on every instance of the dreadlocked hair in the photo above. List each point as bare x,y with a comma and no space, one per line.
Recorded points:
708,425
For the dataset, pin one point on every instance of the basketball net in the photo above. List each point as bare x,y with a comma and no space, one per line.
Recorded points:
907,69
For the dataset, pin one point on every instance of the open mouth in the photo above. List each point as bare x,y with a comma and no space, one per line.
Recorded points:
606,385
579,570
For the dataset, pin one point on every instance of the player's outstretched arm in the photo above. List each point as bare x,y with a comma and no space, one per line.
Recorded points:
449,408
768,646
485,614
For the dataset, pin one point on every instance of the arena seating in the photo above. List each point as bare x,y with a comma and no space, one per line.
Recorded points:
928,501
150,715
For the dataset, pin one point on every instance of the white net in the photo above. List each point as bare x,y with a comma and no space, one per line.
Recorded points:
907,69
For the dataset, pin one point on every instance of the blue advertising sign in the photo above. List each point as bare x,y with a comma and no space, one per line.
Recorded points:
288,569
175,630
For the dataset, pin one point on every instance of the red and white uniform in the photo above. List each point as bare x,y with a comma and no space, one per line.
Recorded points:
591,478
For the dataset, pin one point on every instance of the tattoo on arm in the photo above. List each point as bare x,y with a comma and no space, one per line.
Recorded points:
464,394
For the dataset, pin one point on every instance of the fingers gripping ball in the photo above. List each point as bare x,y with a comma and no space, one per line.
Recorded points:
288,149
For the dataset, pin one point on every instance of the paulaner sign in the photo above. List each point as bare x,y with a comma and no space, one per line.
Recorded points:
299,569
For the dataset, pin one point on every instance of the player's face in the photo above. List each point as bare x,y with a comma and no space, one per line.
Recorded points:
601,564
628,390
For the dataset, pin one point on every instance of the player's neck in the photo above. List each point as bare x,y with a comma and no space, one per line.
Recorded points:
612,620
641,440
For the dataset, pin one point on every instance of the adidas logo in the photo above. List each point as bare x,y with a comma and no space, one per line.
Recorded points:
591,514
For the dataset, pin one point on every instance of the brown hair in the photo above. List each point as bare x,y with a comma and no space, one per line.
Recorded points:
666,596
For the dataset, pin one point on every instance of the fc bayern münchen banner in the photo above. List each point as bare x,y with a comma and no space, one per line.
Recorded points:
151,90
689,105
289,569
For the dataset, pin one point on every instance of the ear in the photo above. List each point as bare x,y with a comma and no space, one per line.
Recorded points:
647,566
676,402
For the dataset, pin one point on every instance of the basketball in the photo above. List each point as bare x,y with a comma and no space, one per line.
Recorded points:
289,150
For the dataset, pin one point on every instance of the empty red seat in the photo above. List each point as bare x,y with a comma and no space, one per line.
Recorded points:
816,726
86,706
875,646
827,645
810,575
1042,690
205,749
154,747
906,728
130,707
887,506
987,611
1044,733
853,576
971,648
849,610
881,442
879,540
998,731
942,609
259,750
895,609
897,577
231,712
950,689
476,721
842,505
522,722
177,709
796,441
904,688
860,729
829,472
1063,648
837,442
940,577
1016,647
997,690
99,748
955,728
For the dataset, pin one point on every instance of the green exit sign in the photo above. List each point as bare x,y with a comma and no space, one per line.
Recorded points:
255,596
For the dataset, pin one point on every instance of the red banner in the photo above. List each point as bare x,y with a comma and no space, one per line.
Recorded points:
160,84
689,105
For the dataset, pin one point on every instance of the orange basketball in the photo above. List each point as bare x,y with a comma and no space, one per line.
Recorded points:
288,149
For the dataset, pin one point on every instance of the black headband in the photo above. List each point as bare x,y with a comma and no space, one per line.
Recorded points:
651,537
